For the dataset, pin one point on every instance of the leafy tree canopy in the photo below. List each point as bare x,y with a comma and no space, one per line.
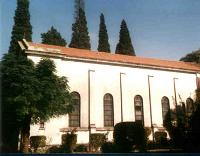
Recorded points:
103,36
192,57
124,46
18,92
53,37
80,36
33,90
32,93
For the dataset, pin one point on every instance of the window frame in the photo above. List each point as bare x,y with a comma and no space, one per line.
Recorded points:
41,125
72,122
141,109
162,103
111,107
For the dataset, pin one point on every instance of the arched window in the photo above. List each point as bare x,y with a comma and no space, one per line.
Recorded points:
108,110
74,116
189,106
139,115
165,106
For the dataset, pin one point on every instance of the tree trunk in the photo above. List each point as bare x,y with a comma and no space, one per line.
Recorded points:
25,133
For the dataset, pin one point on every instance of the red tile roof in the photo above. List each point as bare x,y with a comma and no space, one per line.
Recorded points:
80,53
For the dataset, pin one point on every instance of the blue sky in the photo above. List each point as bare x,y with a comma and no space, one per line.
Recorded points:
165,29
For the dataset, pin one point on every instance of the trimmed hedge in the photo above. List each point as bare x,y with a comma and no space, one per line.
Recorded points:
69,142
97,140
37,141
128,134
161,138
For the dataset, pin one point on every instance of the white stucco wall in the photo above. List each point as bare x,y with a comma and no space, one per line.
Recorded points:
106,79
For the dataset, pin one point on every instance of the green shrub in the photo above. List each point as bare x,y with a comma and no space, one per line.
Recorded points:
69,142
108,147
161,138
81,148
97,140
127,134
37,141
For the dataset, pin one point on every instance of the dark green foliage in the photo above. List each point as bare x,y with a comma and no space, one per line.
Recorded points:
22,27
19,92
195,129
80,37
17,80
193,132
19,85
161,138
53,37
69,142
81,148
192,57
11,118
169,117
55,97
175,124
124,46
178,137
30,94
97,140
181,116
37,141
103,36
78,4
108,147
185,133
127,134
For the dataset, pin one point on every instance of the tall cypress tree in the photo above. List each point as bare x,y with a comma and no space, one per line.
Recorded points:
80,36
53,37
22,27
103,36
77,5
124,46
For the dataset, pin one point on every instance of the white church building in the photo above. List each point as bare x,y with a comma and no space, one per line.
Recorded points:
111,88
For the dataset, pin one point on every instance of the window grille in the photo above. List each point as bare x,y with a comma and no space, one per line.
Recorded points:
74,116
139,115
108,110
165,106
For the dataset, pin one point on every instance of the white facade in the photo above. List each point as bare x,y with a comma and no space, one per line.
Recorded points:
93,79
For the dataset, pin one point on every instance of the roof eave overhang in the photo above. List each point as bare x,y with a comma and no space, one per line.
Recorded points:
99,61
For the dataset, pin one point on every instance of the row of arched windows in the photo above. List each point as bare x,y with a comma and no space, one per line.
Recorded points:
74,117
